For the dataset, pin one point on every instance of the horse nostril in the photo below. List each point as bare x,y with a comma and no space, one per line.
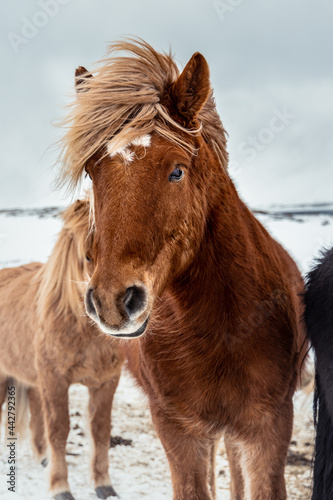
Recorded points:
135,300
90,306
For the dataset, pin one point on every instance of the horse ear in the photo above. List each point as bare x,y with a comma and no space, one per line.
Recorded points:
81,205
78,205
81,77
192,88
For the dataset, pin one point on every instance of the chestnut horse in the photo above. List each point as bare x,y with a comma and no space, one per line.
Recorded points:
48,343
319,322
207,300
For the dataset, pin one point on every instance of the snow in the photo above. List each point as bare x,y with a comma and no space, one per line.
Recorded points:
139,470
303,237
26,239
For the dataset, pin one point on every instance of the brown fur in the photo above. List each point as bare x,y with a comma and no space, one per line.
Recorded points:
48,343
221,352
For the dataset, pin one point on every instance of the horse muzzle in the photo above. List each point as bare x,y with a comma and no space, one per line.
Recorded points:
125,315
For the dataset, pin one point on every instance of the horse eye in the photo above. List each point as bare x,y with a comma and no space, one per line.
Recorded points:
177,174
88,259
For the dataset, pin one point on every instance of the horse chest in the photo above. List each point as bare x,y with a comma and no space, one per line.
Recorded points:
96,364
88,360
203,397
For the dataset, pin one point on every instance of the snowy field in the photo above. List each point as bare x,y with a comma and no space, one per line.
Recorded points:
140,470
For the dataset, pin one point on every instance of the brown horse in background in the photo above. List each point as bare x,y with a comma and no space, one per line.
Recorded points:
48,343
209,301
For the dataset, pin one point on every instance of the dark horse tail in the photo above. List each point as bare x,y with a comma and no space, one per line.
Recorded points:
323,465
319,323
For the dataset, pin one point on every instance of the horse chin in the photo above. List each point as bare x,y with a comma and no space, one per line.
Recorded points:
123,333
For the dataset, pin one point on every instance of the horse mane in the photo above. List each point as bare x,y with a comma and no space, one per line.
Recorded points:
124,99
62,279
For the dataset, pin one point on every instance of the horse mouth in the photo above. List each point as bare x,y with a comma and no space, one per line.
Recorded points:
135,334
103,325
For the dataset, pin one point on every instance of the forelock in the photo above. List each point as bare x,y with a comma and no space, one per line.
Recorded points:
122,103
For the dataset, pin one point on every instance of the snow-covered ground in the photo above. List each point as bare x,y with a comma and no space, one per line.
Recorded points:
140,470
303,236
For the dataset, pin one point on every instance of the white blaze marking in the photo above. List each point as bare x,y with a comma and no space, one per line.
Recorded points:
143,140
114,148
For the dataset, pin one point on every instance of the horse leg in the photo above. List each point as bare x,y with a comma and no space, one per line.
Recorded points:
3,395
236,476
3,391
37,428
212,475
54,394
100,405
189,458
264,456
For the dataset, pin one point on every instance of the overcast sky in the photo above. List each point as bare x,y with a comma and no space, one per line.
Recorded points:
271,68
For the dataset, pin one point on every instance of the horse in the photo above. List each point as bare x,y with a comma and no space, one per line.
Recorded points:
49,343
207,302
319,322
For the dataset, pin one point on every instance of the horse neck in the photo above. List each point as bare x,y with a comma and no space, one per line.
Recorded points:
60,283
221,276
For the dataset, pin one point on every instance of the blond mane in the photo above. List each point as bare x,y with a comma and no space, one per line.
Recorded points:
123,99
61,279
